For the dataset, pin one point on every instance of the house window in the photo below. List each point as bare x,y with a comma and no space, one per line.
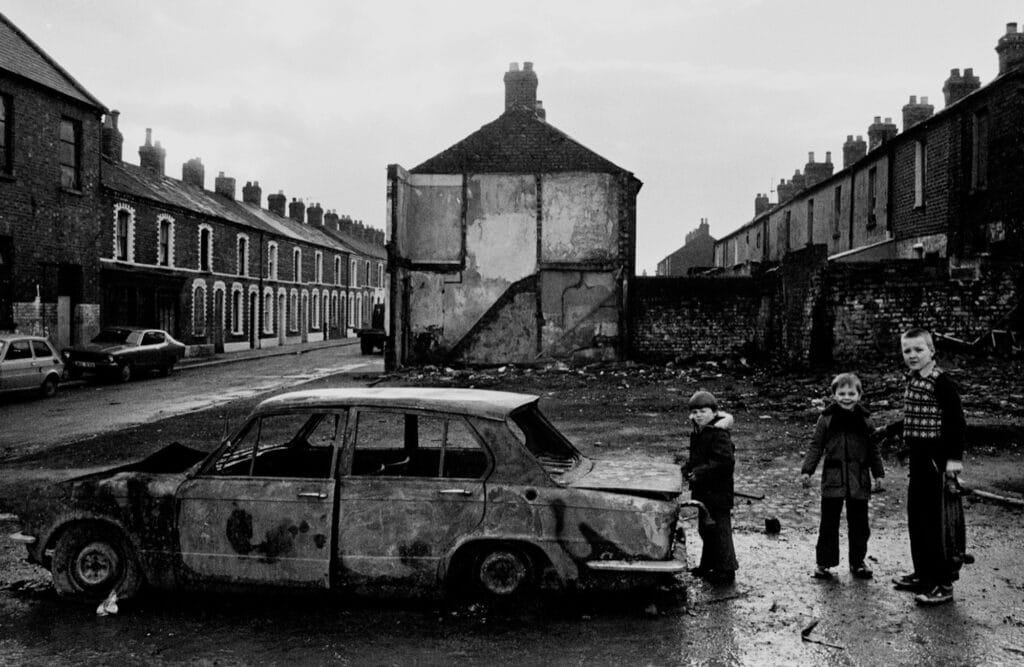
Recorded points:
837,210
243,255
318,263
272,260
352,310
979,150
122,234
70,154
353,275
810,221
205,247
297,264
199,311
359,309
920,169
872,197
6,134
366,276
237,316
316,310
165,241
334,310
337,269
380,274
293,312
787,228
268,310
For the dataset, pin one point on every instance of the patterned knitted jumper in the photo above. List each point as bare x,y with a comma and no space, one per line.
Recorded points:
922,417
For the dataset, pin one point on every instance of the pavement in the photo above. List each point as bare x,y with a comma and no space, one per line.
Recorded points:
260,353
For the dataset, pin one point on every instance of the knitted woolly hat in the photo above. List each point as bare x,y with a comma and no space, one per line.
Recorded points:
703,399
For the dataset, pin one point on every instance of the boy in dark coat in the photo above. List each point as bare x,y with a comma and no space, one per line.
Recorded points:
843,436
709,470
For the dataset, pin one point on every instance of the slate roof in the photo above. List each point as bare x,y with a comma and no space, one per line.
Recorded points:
362,246
23,57
517,142
133,180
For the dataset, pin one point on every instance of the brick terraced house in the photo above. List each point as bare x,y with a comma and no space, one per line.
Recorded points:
950,185
49,194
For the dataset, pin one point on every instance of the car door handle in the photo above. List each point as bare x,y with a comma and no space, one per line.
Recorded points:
455,492
320,495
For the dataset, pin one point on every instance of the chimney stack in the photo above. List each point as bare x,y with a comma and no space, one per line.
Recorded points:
853,150
346,224
331,220
880,132
297,210
1010,49
521,88
112,141
816,172
958,87
193,173
761,205
224,186
252,193
315,215
915,112
276,203
151,157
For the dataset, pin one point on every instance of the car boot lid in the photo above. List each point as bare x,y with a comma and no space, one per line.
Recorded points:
632,476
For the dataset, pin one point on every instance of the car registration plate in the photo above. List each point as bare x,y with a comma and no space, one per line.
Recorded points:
85,364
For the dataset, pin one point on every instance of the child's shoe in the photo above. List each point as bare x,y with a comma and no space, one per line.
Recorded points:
937,595
822,573
861,571
908,582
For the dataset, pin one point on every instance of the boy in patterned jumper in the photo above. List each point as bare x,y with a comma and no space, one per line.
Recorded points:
933,431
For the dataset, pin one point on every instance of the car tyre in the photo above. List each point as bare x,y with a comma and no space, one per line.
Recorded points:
49,387
91,560
366,346
503,572
124,372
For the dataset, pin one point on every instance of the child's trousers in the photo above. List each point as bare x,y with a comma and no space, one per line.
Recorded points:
718,552
827,551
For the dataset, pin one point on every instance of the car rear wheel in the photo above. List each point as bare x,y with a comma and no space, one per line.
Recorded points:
124,372
49,387
91,560
503,572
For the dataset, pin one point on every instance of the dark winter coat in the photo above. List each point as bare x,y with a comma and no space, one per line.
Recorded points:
712,461
844,439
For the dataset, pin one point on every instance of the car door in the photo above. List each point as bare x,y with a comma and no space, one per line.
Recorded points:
151,349
262,510
413,485
17,367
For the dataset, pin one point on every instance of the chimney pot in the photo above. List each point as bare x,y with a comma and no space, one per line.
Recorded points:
828,157
924,99
149,136
810,156
1011,28
521,88
913,99
527,66
224,186
513,67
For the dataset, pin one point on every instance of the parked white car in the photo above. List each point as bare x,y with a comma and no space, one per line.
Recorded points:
29,363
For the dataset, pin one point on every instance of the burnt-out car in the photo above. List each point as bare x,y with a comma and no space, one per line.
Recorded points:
351,489
122,353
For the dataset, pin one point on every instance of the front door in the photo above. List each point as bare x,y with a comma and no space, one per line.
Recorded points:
262,511
415,487
218,321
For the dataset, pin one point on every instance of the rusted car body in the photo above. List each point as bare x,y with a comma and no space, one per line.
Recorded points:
122,353
357,489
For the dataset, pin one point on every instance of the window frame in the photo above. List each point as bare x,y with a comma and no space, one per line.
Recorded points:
164,221
70,173
6,134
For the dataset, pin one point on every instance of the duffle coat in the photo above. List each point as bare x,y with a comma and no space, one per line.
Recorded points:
851,458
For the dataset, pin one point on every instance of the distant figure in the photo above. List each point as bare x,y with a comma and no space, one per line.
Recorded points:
933,431
843,436
709,470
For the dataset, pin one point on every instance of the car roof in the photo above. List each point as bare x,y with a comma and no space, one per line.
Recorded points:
10,336
475,402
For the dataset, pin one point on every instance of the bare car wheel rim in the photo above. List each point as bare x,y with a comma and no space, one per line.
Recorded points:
97,564
502,572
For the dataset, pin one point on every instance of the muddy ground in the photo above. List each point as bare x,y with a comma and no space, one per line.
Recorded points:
610,411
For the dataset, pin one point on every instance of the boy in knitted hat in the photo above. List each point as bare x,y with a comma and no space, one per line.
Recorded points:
709,470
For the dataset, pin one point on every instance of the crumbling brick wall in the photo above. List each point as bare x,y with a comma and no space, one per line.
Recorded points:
693,318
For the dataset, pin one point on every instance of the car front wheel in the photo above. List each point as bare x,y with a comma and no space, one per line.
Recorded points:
124,372
503,572
91,560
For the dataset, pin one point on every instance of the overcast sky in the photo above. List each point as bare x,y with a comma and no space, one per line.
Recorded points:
708,102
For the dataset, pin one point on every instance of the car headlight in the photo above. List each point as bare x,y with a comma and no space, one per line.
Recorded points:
110,358
66,354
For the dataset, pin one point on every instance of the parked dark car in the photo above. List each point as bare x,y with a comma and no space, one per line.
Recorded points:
29,363
122,353
365,490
